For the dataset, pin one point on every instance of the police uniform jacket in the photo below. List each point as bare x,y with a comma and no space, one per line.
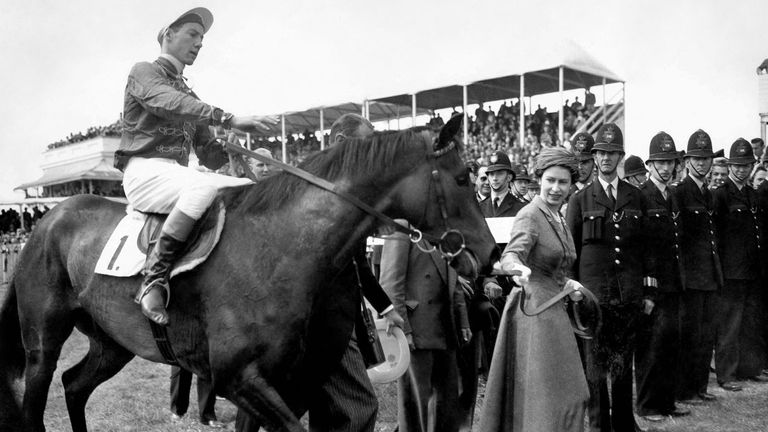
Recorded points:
508,207
163,117
737,221
610,243
664,223
701,257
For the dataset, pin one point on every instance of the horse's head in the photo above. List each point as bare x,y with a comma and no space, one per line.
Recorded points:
438,199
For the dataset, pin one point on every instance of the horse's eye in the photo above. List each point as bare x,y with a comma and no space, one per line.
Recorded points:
462,180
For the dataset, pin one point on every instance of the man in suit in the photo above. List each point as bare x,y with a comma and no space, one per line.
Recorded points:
342,396
607,220
582,148
703,275
739,349
658,341
501,203
423,288
482,187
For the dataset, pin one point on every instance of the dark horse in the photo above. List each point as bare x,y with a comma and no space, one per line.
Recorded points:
241,318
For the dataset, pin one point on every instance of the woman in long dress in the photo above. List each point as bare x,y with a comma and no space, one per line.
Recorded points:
536,381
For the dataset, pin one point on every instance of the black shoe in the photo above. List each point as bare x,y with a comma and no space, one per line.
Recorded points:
678,412
730,386
706,396
692,401
758,378
213,424
653,418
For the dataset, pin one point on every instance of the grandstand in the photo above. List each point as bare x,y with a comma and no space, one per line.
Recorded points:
83,162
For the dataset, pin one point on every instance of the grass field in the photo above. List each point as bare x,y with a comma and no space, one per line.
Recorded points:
137,399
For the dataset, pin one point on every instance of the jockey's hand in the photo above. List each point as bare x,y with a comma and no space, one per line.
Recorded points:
252,123
648,306
409,338
466,335
492,290
393,319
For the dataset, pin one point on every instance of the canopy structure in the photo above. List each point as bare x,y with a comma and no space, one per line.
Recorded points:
562,66
82,170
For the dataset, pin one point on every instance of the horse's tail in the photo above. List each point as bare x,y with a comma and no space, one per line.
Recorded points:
12,360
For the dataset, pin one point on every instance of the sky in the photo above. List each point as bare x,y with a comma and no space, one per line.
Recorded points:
687,64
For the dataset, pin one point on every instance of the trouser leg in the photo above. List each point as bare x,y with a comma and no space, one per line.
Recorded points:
730,305
181,381
751,343
206,399
414,393
445,381
346,402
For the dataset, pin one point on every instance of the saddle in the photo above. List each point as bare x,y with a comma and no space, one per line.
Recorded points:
126,250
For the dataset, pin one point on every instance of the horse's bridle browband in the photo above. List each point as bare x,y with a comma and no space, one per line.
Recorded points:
414,234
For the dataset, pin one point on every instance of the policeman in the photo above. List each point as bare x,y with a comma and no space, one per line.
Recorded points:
582,148
635,172
519,186
739,349
607,222
501,203
701,265
658,341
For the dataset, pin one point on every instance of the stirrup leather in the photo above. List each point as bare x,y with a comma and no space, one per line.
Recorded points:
159,283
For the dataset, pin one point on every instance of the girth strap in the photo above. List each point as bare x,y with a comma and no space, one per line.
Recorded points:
160,333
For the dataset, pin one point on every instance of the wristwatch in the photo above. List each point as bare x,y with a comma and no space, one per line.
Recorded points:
226,120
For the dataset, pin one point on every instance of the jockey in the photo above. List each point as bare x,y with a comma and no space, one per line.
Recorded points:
162,121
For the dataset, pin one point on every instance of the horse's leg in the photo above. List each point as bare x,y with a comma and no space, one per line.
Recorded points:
260,400
44,335
105,358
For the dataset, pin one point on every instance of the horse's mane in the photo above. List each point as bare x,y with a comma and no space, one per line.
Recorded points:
354,157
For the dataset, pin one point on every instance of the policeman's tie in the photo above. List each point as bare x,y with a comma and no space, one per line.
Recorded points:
611,197
496,205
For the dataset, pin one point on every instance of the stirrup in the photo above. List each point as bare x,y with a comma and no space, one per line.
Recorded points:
159,283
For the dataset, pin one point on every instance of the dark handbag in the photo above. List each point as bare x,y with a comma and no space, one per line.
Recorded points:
367,334
368,340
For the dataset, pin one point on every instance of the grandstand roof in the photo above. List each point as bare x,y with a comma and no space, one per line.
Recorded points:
299,121
84,170
502,81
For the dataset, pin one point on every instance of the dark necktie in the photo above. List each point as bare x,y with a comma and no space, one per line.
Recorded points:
611,197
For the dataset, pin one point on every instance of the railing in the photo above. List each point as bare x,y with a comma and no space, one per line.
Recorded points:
612,112
9,256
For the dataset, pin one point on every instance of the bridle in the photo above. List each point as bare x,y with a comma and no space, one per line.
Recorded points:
450,244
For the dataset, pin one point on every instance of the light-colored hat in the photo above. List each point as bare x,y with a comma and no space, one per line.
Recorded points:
206,20
397,355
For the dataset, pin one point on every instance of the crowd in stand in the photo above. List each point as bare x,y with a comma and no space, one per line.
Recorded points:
113,130
489,132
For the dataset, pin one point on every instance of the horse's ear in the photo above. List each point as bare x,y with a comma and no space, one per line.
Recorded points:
449,131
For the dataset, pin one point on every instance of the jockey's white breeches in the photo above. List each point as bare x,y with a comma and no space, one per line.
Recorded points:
158,185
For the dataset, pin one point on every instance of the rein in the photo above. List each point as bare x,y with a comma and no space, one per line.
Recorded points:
448,237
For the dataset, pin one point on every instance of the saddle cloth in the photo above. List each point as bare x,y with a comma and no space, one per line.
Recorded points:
126,250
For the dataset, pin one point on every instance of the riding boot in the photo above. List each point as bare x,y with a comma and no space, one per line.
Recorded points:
155,293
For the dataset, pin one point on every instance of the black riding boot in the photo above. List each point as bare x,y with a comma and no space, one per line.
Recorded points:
155,293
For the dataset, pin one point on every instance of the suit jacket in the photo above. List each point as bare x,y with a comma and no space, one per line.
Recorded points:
610,243
337,310
424,290
701,258
738,228
508,207
666,225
